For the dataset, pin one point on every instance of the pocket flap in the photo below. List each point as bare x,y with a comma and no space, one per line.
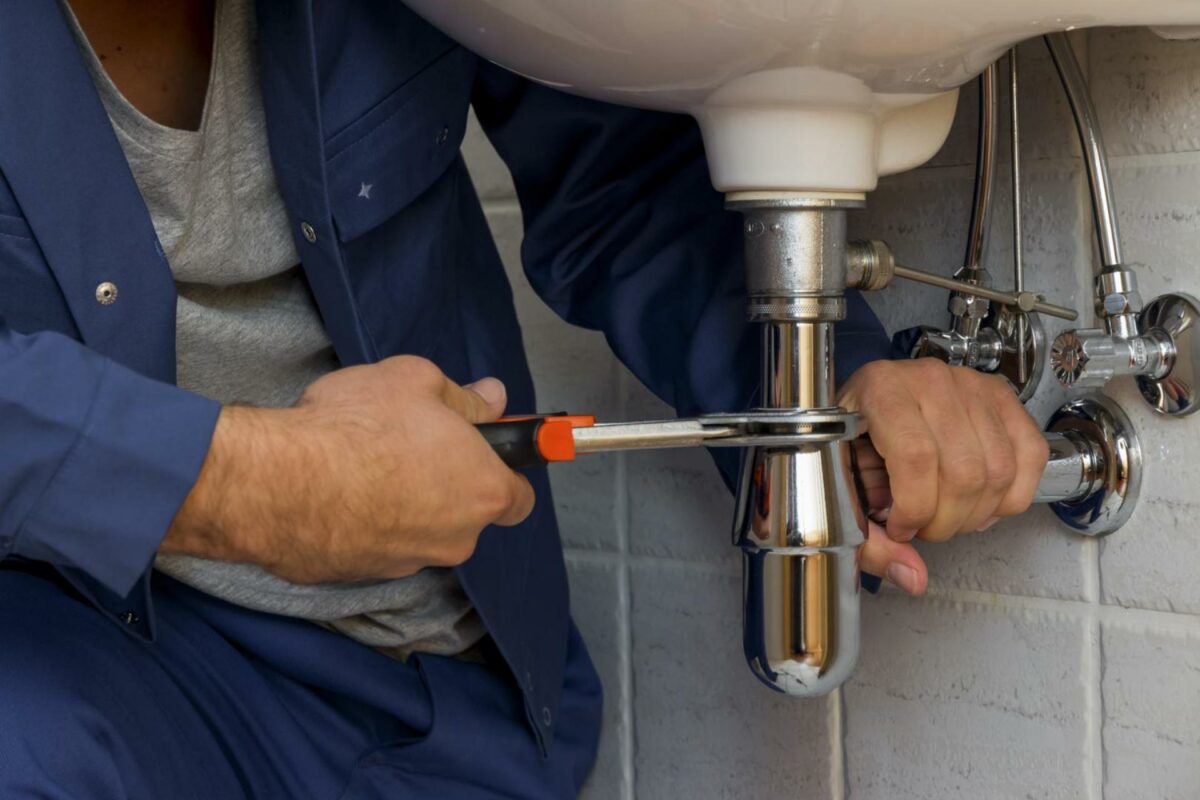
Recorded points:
385,160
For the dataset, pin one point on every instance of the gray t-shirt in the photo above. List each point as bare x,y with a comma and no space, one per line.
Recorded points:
247,329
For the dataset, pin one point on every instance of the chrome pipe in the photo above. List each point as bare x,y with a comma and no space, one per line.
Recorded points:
985,167
1092,144
1075,466
1095,473
1014,108
797,367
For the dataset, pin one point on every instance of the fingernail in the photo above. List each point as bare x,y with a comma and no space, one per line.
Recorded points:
903,576
902,534
491,390
987,524
880,515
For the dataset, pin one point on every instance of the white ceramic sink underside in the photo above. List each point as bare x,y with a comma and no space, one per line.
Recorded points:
797,95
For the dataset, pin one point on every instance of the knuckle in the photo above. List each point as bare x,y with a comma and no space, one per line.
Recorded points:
874,369
966,474
934,372
1039,449
1002,468
419,370
869,378
917,515
921,510
881,376
1001,392
1011,506
917,452
915,509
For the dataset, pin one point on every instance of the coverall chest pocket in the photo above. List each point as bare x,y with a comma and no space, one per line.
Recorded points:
383,161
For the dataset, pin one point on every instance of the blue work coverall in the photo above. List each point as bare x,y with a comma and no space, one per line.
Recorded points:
117,682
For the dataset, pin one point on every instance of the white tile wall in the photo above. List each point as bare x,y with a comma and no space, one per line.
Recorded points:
1151,706
1040,665
966,699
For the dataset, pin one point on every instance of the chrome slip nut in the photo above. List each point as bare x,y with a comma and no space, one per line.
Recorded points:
1117,293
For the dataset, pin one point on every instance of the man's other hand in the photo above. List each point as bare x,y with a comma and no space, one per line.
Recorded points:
948,450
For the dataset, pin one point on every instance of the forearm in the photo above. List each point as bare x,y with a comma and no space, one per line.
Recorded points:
225,516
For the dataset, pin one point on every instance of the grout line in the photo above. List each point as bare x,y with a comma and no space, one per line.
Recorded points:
625,604
838,777
1092,669
1056,164
1052,166
1165,621
1101,766
724,569
1180,158
1184,622
625,650
1030,164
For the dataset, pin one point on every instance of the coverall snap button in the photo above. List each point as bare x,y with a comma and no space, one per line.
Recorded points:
106,293
310,233
546,716
130,618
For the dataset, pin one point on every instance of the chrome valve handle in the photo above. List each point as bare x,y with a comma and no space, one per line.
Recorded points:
1089,359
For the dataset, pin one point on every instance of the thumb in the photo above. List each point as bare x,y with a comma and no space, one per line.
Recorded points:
899,562
481,401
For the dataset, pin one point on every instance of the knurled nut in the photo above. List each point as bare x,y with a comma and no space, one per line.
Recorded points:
797,309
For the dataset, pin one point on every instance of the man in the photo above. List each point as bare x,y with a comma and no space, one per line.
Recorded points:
251,317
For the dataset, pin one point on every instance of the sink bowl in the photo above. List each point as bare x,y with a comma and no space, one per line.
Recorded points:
819,96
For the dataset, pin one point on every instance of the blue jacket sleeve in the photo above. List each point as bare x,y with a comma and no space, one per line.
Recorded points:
97,460
625,234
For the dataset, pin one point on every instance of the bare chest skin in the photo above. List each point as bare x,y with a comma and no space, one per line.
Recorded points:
159,54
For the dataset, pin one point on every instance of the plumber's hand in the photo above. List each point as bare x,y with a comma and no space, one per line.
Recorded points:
377,472
949,450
